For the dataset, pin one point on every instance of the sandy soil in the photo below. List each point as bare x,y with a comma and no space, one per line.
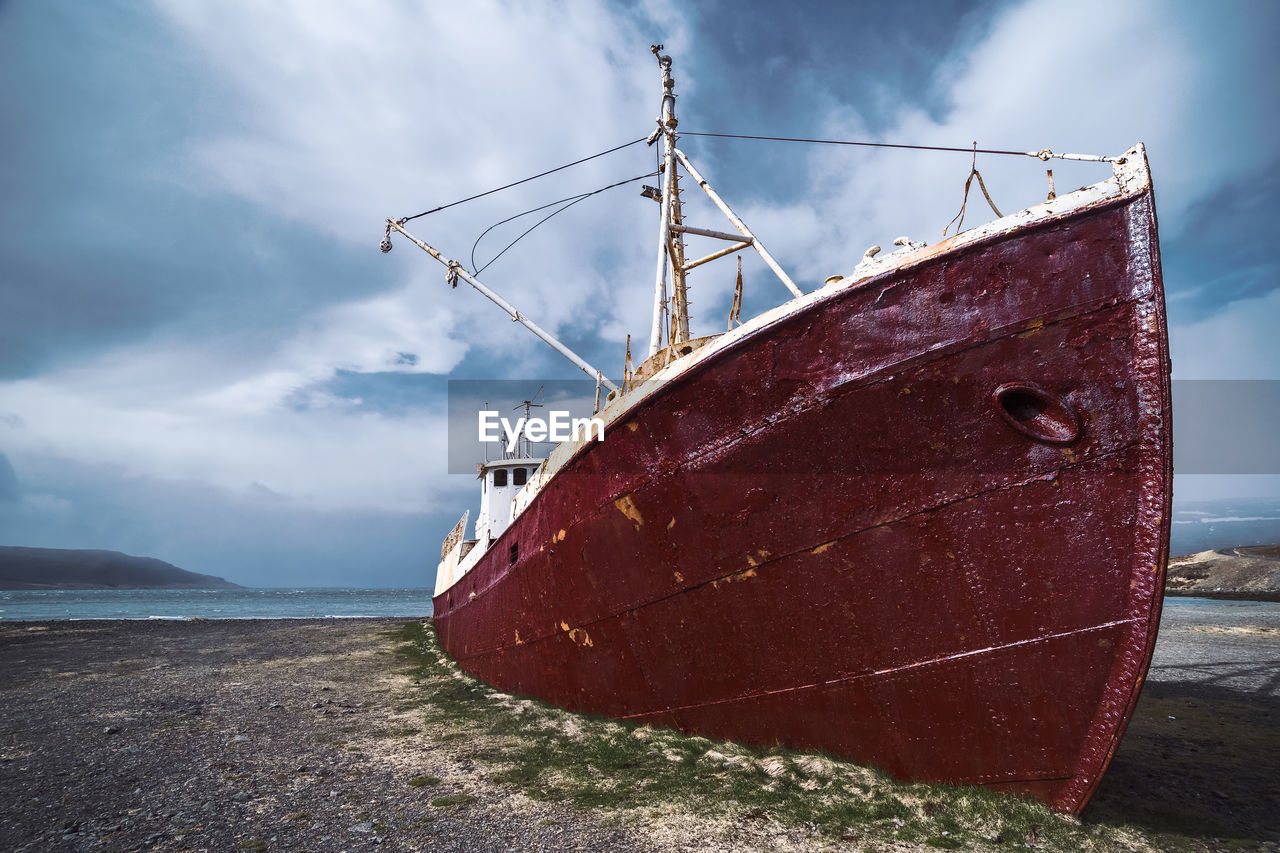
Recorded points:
298,735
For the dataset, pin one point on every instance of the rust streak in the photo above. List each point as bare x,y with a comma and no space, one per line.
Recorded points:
945,501
879,673
627,507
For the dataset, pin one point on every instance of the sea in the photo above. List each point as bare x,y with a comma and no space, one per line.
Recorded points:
248,603
77,604
1204,525
1197,526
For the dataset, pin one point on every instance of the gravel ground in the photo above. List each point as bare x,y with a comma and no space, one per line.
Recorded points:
296,735
257,735
1231,645
1202,752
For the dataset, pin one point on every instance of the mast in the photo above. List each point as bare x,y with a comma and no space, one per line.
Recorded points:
667,127
670,315
679,283
679,327
673,313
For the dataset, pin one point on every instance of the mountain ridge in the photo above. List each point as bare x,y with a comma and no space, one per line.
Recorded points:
62,568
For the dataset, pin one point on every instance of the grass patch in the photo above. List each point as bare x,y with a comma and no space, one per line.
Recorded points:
945,842
553,755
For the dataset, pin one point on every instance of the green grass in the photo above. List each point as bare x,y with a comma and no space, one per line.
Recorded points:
424,781
613,765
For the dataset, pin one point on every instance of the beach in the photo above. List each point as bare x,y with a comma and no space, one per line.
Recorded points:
322,735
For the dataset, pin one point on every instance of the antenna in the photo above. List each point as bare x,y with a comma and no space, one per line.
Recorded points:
523,448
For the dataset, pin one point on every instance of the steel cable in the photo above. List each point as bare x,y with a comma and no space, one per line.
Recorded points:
521,181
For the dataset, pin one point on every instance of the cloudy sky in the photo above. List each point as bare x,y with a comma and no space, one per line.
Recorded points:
204,357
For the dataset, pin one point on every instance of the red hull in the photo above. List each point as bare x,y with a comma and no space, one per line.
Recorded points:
921,523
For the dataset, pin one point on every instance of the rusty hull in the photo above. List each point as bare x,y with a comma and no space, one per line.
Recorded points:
919,520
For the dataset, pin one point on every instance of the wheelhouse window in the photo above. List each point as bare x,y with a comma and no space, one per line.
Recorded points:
519,476
500,477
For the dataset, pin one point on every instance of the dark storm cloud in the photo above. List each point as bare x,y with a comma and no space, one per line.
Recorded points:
10,491
1222,256
253,538
103,238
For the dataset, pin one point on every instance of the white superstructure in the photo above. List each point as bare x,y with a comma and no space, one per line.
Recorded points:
500,482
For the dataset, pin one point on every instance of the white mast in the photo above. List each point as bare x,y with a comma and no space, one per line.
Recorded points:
667,127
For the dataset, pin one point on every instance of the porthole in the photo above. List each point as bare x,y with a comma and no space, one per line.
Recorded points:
1036,413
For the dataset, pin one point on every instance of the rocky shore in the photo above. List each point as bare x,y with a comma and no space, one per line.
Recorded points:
1247,573
313,735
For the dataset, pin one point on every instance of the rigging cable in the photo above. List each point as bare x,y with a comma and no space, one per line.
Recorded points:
521,181
1043,154
572,200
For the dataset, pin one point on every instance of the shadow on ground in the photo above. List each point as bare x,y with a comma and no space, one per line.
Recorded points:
1197,759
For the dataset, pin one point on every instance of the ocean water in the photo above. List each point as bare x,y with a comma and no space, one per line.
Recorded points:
287,603
1202,525
1220,603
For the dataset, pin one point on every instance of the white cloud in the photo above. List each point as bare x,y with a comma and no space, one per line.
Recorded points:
346,113
325,458
1091,77
198,410
334,116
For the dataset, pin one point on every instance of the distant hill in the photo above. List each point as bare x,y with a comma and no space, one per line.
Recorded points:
56,568
1247,572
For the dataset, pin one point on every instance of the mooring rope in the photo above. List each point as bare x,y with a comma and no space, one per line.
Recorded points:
974,173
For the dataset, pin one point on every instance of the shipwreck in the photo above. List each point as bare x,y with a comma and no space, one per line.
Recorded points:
916,516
